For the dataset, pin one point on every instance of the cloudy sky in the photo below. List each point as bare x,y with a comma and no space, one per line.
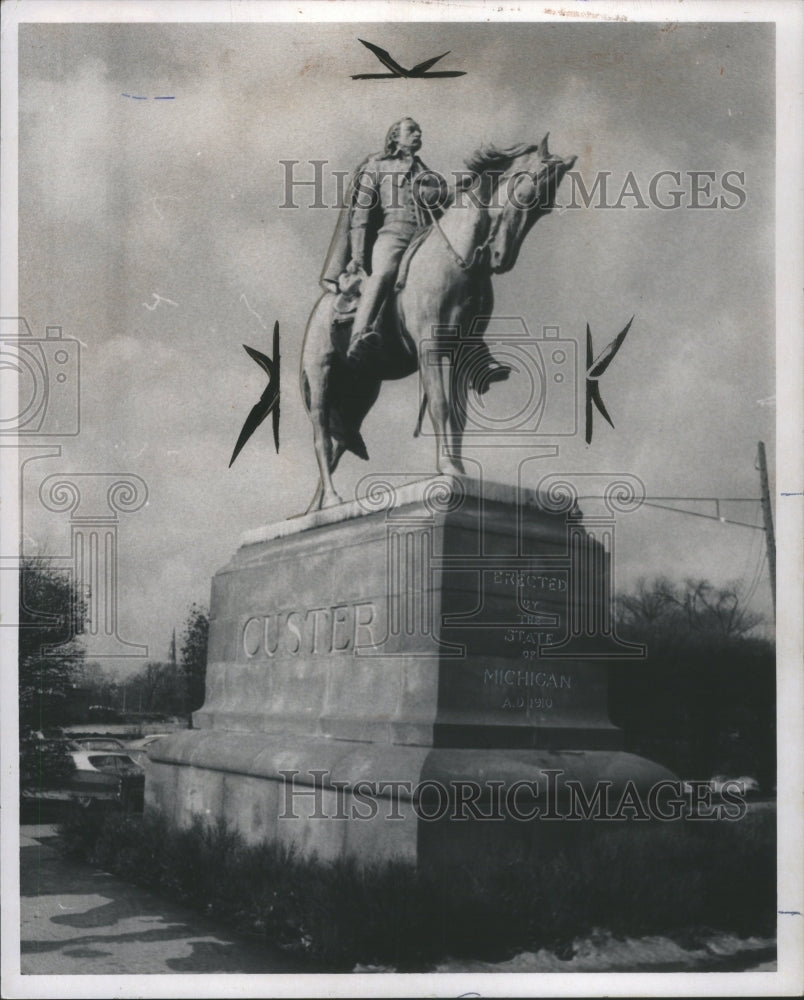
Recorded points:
123,201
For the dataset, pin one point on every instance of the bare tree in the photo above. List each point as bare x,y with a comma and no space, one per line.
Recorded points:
717,609
647,603
696,606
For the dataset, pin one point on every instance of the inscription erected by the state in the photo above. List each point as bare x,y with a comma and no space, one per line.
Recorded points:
528,637
533,581
533,614
339,629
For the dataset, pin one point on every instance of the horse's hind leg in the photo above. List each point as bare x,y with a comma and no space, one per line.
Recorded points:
436,378
327,452
315,503
318,497
326,494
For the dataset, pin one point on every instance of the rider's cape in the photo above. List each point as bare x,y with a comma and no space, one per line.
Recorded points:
339,253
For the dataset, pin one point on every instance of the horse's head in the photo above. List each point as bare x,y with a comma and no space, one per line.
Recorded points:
526,190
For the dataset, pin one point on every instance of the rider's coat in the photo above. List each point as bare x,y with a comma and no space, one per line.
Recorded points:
386,193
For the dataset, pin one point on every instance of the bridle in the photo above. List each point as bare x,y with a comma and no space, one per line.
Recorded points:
479,251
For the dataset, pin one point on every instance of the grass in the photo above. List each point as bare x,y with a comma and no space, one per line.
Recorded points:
631,879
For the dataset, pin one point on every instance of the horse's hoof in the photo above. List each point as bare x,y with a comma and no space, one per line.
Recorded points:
451,470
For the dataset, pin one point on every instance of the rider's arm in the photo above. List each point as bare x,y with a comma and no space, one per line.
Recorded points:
357,245
366,198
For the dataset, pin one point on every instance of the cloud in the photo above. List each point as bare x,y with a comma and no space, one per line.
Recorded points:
121,199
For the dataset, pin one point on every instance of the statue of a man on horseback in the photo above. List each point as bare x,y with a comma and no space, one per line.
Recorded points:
392,198
454,247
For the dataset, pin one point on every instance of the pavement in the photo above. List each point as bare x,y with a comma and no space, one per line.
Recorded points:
79,920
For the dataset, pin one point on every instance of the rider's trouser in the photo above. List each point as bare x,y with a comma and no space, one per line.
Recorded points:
389,246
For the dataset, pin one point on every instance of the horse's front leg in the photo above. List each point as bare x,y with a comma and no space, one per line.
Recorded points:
437,380
457,416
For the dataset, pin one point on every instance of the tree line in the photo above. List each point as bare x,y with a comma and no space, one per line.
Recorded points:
171,687
57,684
703,701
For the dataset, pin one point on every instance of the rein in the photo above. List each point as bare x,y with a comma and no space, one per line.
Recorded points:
478,251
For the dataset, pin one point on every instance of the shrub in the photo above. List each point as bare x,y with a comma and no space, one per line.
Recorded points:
629,878
44,763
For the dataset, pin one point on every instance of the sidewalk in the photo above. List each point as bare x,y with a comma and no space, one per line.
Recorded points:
78,920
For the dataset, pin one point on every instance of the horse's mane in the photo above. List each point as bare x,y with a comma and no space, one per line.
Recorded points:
488,157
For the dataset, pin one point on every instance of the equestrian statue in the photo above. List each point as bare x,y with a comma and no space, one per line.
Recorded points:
410,258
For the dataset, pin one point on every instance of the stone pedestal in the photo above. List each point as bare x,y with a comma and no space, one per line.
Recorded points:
363,658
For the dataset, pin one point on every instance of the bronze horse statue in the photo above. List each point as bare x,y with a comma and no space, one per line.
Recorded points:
447,285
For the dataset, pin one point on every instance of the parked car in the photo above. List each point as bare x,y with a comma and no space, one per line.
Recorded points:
107,777
99,743
745,785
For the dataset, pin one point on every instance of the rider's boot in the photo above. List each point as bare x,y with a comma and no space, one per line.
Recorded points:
364,345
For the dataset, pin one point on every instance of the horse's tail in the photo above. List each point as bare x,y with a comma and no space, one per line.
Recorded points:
349,437
341,425
355,443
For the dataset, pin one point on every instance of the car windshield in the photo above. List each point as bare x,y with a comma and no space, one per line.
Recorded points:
125,762
112,762
103,762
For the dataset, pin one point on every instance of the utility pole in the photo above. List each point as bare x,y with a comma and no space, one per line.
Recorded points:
767,515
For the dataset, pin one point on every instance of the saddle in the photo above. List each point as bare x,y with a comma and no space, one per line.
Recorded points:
347,297
351,285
